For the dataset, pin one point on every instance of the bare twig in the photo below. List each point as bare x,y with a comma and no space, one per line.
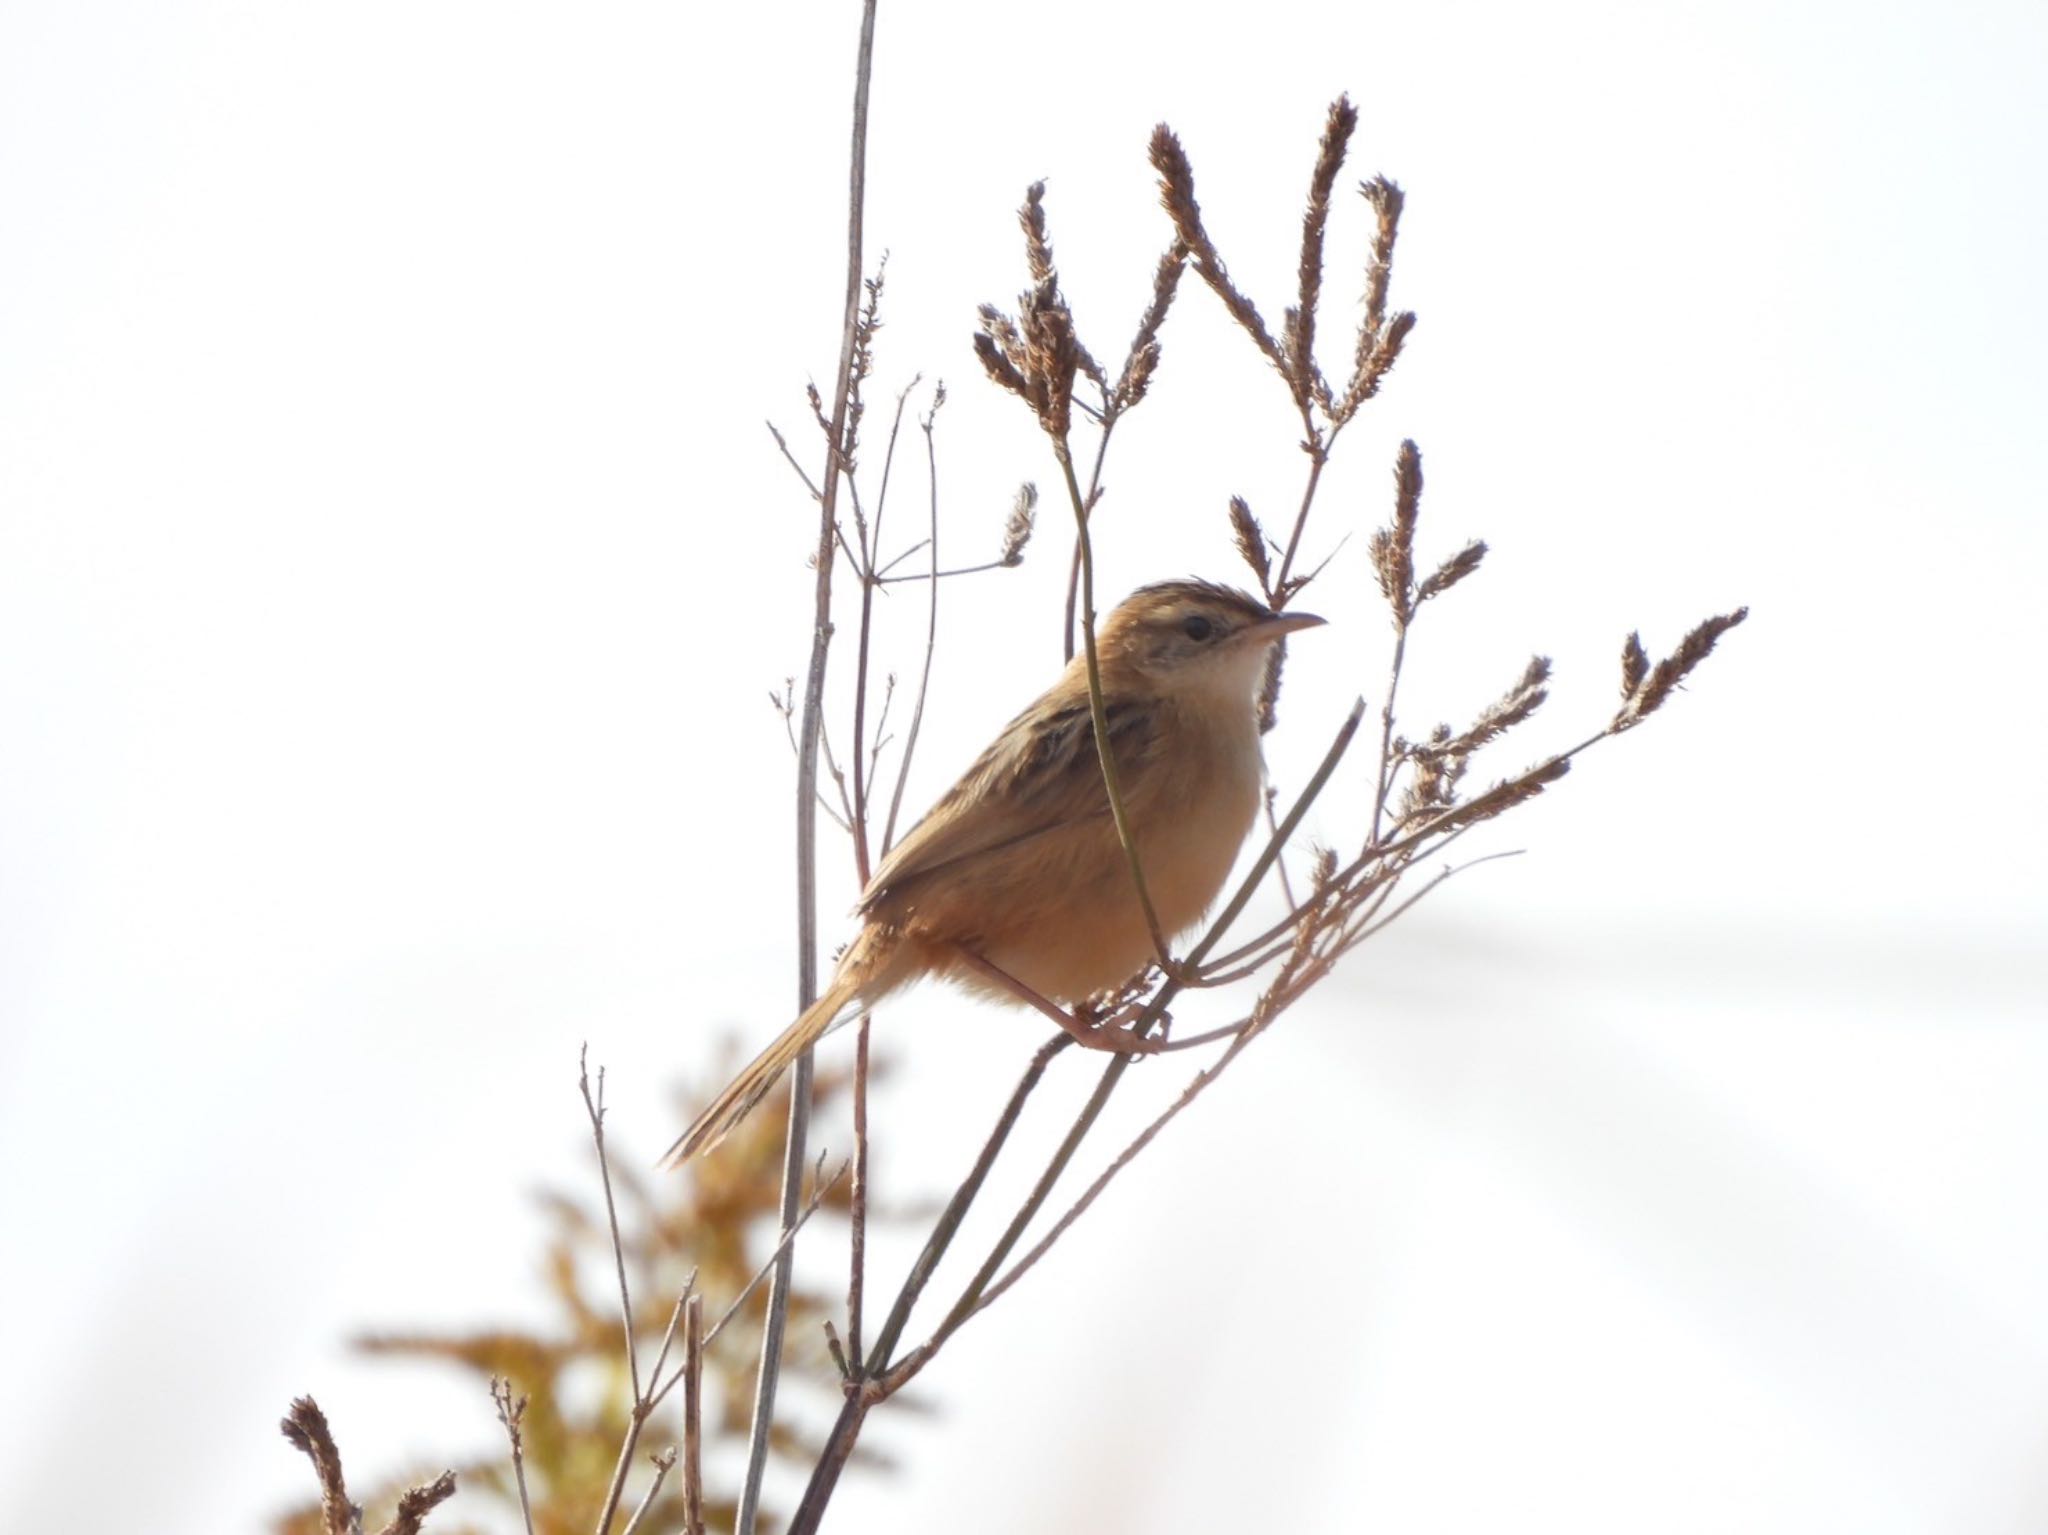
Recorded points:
857,1212
820,1187
931,626
595,1108
664,1461
801,473
806,818
693,1417
862,1392
512,1414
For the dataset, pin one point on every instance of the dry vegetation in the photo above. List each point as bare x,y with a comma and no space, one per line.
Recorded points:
710,1233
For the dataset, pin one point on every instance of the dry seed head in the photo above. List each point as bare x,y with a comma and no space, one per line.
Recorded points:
1650,695
1451,572
1045,280
1017,530
1002,330
1251,542
1387,200
1393,547
1137,378
1269,687
1177,196
1505,795
1499,717
1037,243
1376,362
1050,357
1635,665
1315,218
1142,360
870,320
931,416
1324,867
999,367
1379,341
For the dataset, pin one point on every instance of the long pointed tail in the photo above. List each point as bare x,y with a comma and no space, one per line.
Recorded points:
748,1088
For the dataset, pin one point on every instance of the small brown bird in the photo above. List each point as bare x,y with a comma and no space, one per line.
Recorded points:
1015,883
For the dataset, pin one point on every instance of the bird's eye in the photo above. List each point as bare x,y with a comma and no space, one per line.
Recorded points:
1197,627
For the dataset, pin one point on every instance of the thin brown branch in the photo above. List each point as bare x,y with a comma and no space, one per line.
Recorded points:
820,1187
664,1461
931,626
797,1137
948,1224
512,1413
594,1107
693,1417
857,1212
801,472
1243,1036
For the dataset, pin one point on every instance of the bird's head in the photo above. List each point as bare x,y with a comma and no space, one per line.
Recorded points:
1194,639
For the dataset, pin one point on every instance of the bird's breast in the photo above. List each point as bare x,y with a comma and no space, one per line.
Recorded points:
1189,803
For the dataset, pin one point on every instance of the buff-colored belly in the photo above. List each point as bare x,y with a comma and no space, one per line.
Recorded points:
1087,933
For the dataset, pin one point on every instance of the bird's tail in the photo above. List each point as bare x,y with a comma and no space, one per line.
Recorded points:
740,1095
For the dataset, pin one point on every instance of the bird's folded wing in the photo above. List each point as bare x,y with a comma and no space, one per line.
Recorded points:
1040,774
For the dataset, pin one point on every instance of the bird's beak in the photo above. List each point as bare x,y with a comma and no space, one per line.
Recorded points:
1284,623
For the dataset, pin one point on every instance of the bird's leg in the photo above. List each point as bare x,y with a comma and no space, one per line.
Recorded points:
1096,1036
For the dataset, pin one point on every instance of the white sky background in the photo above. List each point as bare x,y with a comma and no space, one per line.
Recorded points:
393,564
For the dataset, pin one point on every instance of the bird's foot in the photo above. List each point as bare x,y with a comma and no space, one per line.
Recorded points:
1114,1033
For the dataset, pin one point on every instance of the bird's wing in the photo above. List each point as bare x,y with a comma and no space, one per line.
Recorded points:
1040,774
